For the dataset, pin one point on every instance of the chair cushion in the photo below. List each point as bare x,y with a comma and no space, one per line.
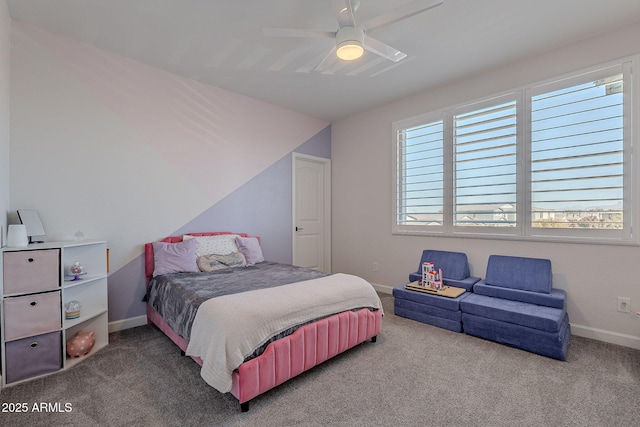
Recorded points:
429,319
519,313
550,344
556,298
454,265
429,310
527,274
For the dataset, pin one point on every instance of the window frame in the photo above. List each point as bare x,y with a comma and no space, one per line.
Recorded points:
499,231
524,229
424,119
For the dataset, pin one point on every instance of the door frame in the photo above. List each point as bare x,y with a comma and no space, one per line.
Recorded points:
326,163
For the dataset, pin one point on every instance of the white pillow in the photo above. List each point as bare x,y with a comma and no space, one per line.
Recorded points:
222,244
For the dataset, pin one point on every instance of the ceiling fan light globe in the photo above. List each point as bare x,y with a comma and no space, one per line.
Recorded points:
350,43
349,50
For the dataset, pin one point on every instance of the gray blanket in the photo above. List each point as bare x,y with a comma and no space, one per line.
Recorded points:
176,297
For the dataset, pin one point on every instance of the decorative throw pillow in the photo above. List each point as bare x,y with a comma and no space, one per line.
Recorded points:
214,262
250,248
174,257
222,244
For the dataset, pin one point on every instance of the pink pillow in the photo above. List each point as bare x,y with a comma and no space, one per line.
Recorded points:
174,257
250,248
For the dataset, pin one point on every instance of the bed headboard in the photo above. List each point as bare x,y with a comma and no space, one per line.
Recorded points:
149,265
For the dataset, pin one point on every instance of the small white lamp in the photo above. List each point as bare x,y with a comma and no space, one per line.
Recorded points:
17,236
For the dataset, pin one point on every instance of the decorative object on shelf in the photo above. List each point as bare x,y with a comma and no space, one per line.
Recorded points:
76,270
72,309
17,236
81,344
31,219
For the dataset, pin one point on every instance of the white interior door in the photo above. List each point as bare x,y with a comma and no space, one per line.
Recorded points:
311,212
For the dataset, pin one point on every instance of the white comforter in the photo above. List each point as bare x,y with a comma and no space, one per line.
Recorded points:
227,329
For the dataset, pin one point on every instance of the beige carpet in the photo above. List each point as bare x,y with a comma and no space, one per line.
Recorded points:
415,375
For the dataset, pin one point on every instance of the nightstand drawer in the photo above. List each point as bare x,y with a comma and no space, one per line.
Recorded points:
31,271
32,315
33,356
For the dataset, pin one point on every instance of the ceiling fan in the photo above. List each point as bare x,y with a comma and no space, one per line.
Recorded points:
352,39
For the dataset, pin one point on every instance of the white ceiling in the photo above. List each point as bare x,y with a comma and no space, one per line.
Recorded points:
220,42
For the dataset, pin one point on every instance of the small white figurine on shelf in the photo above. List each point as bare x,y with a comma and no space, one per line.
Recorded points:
72,309
76,270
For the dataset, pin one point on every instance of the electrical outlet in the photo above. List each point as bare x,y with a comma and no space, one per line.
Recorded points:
624,305
375,266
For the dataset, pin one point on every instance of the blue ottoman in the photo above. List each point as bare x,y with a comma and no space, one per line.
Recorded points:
434,310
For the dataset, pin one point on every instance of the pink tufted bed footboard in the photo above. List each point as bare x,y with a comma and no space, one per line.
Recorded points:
287,357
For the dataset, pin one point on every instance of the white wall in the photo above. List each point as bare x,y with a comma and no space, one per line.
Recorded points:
5,66
130,154
362,200
127,152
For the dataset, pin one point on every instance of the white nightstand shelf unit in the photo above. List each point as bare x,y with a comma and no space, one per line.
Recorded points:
35,288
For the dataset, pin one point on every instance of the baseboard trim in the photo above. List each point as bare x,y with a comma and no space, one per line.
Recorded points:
606,336
382,288
131,322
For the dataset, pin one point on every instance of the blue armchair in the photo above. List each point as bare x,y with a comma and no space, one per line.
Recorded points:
516,305
436,310
454,265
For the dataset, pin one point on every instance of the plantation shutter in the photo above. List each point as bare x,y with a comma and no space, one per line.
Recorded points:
577,145
420,163
485,165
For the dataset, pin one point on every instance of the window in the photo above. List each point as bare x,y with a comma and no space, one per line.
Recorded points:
548,161
485,166
577,162
420,176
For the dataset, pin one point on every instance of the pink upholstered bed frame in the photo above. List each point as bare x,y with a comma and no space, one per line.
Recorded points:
285,358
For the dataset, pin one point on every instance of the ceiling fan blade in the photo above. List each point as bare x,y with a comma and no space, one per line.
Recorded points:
383,50
398,14
327,61
292,32
344,12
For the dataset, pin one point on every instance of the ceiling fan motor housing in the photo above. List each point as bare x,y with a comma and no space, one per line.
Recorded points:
349,41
